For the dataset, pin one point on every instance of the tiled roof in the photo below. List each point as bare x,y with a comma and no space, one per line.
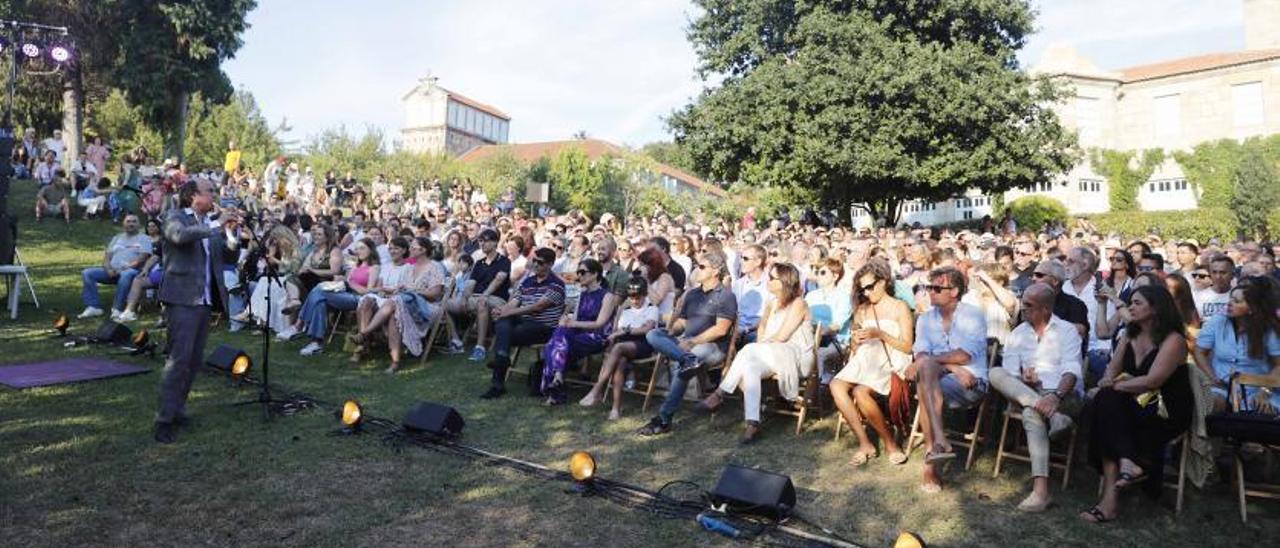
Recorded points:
1197,63
594,148
477,104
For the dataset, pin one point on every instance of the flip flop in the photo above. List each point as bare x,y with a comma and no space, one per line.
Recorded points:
861,459
899,458
933,458
930,488
1128,480
1097,516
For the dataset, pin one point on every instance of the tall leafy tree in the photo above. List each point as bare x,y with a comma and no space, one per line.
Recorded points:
870,101
1257,191
174,49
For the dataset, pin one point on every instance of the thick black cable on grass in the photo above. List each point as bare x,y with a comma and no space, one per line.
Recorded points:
630,496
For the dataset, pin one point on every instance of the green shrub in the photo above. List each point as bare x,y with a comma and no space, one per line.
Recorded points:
1032,212
1201,224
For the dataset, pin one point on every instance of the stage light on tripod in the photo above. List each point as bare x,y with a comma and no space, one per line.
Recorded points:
141,338
230,359
351,415
907,539
582,466
61,324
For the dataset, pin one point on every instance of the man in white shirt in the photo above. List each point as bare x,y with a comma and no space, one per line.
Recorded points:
1212,300
1082,283
55,145
1041,373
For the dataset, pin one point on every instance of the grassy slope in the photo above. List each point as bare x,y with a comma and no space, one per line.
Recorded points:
77,466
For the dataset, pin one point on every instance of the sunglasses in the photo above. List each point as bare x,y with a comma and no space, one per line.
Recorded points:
1146,268
584,272
1038,275
871,286
1023,254
538,261
1117,259
938,288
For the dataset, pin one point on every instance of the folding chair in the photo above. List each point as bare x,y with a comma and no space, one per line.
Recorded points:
970,439
434,331
1059,461
338,318
1246,489
800,408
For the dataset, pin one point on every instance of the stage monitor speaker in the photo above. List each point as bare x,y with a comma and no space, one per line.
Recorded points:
538,193
434,418
113,332
750,491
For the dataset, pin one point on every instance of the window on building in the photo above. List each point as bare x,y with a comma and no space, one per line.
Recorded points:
1088,119
1168,117
1246,104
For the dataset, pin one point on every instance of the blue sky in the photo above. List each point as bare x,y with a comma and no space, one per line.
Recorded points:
610,67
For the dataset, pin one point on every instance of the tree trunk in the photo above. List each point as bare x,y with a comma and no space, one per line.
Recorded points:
176,133
73,112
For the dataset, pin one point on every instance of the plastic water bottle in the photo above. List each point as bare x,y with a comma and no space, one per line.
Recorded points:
718,526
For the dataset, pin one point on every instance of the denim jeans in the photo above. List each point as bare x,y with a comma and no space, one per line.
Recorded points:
315,311
91,277
1096,362
669,346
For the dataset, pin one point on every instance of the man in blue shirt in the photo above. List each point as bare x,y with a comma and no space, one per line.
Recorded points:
950,364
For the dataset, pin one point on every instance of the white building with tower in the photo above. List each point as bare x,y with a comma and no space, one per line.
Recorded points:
438,120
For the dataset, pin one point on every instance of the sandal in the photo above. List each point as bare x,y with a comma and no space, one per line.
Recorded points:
392,370
930,488
861,459
897,458
941,456
1128,480
1095,516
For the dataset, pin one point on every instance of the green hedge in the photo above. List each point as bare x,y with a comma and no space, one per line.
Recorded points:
1201,224
1032,212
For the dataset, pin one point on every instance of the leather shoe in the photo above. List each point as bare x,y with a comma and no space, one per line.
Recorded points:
751,434
165,433
493,393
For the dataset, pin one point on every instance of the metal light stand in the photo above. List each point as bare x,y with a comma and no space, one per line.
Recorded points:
270,405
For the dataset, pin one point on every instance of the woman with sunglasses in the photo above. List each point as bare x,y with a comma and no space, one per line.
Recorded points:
881,348
783,351
626,343
580,335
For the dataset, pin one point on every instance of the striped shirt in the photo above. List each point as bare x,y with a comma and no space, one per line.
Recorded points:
532,291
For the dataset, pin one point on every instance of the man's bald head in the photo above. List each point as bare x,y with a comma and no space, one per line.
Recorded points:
1040,294
1037,303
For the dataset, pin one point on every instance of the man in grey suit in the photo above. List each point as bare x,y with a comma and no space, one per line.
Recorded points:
192,287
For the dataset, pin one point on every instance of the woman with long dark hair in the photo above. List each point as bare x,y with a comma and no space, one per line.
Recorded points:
881,349
662,287
1244,340
1144,401
579,334
783,351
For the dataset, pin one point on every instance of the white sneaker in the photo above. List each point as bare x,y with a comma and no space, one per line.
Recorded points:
90,312
286,334
127,316
312,349
115,314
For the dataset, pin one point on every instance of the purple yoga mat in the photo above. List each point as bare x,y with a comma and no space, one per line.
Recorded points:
64,371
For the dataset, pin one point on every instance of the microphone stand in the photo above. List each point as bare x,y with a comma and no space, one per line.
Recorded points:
270,405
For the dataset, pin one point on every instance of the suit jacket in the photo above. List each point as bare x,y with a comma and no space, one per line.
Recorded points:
184,261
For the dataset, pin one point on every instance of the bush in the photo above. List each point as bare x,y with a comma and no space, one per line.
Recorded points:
1032,212
1201,224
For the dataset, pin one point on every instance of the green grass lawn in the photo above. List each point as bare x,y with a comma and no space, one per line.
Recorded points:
78,467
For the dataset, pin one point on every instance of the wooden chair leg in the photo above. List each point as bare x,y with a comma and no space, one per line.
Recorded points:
1004,433
804,409
653,383
976,436
1244,512
1071,456
1182,472
916,432
839,425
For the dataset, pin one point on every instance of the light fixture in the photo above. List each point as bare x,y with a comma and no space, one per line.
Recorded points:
907,539
31,50
351,416
142,344
141,338
61,324
582,466
60,53
230,359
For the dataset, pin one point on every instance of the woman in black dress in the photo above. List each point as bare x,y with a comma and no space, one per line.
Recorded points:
1130,426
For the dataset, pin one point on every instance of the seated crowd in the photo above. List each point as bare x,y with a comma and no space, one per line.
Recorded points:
900,327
